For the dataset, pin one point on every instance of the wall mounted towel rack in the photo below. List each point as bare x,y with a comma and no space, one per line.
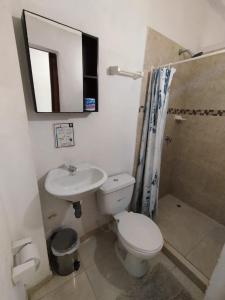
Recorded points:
115,70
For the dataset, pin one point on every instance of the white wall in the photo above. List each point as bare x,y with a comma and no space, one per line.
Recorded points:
19,191
107,138
8,290
213,30
197,25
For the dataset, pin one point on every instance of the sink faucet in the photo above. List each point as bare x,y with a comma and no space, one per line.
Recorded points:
72,169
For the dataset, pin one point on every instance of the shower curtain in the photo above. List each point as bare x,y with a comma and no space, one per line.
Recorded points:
145,197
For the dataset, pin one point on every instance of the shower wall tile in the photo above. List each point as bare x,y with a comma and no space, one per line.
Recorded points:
198,147
193,164
165,180
159,50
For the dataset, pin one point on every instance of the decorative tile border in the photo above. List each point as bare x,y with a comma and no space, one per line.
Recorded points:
197,112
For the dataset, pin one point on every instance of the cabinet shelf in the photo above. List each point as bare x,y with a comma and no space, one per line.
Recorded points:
90,77
90,68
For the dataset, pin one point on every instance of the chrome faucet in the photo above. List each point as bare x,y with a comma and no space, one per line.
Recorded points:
72,169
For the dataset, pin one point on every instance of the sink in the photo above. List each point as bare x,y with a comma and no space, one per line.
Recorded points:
67,185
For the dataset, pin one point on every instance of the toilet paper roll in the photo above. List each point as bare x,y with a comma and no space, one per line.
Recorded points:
28,253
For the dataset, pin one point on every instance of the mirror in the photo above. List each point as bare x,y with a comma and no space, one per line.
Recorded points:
55,57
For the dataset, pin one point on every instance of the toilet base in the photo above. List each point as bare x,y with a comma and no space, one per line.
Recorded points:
135,266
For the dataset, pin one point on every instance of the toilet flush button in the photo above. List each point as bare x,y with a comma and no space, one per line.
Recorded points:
115,179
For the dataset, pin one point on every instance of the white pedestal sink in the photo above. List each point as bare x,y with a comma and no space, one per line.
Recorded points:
73,185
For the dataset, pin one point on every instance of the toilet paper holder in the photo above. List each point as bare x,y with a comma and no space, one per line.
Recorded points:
25,269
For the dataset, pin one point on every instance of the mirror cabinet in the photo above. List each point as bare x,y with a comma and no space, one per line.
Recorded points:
63,66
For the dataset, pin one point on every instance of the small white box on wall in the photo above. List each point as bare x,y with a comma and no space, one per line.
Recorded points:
64,135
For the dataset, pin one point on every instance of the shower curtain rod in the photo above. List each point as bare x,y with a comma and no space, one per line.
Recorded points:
190,59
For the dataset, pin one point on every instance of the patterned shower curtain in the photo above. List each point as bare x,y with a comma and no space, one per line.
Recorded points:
145,197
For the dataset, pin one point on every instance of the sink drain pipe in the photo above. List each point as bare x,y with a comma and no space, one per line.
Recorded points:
77,209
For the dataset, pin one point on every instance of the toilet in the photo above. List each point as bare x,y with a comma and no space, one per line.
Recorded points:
139,238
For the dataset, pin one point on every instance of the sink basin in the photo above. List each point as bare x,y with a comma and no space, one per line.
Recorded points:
70,186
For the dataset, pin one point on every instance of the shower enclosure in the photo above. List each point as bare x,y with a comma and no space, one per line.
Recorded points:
192,186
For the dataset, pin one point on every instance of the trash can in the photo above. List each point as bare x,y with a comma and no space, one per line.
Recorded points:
64,246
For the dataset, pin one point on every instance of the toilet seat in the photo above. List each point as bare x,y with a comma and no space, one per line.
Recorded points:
139,233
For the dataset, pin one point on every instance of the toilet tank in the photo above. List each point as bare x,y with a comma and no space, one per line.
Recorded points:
115,194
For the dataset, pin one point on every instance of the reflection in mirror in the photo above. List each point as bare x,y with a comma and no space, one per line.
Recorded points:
56,64
45,79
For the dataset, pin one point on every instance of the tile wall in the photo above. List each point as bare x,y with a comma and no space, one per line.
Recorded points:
193,164
159,50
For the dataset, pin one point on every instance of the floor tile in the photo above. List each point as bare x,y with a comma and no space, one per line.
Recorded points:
48,297
163,259
97,248
103,277
105,272
181,225
194,291
108,284
204,256
87,251
111,279
55,282
77,288
160,283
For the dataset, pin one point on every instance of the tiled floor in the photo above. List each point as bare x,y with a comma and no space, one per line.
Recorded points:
102,277
196,236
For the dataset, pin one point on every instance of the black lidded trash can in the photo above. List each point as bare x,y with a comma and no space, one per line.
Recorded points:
64,246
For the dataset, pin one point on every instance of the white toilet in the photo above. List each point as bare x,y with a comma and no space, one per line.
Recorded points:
139,238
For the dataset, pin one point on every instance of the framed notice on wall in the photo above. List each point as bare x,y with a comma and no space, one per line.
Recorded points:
64,135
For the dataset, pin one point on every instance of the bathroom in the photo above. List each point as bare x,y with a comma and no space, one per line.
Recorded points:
136,36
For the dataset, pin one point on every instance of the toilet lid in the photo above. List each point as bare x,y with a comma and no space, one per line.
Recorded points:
140,232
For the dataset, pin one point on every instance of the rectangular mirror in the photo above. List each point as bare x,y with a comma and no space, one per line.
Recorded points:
63,65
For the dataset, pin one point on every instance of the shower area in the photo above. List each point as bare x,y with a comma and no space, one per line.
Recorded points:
191,211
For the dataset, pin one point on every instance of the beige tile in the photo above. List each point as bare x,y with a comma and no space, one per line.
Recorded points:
165,179
187,268
77,288
204,256
48,297
53,284
199,143
159,50
108,283
111,284
97,249
194,172
208,198
105,272
104,276
213,206
163,259
87,251
155,53
183,227
194,291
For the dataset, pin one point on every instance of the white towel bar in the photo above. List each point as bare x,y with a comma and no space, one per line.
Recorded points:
115,70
